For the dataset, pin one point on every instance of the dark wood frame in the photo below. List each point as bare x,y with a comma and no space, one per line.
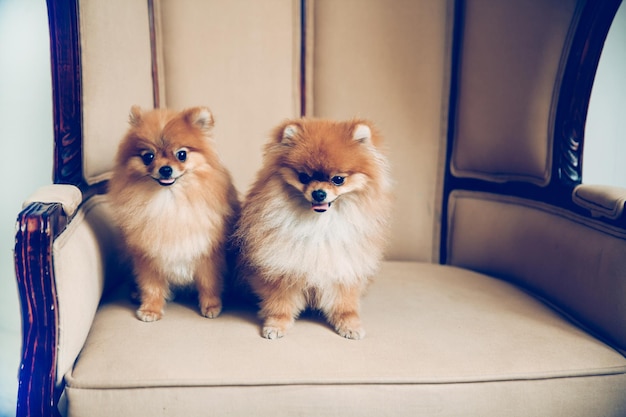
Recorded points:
571,113
575,92
39,224
66,92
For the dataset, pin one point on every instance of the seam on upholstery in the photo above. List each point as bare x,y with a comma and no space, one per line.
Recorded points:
57,247
587,373
498,178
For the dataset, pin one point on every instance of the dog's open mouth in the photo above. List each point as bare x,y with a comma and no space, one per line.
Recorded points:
320,207
166,182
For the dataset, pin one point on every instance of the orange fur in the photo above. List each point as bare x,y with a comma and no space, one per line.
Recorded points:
175,220
314,224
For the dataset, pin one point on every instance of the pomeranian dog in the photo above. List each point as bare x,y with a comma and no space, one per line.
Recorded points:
314,224
176,206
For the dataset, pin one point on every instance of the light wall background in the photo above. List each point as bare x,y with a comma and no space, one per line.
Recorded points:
26,141
604,157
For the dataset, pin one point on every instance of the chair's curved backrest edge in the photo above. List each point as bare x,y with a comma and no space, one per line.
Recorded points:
575,90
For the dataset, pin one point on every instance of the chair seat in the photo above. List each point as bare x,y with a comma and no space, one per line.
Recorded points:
481,337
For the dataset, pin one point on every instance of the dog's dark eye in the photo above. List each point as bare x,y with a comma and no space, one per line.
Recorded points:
181,155
304,178
337,180
147,158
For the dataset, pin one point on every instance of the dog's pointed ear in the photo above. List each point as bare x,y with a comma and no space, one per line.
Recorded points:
288,133
362,133
200,117
134,117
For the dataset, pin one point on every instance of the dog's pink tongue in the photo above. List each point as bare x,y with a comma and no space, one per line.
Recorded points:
167,181
320,208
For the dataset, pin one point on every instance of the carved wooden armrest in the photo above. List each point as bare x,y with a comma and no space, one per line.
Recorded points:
37,226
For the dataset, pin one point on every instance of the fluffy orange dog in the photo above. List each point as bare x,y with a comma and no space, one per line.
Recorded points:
175,204
314,224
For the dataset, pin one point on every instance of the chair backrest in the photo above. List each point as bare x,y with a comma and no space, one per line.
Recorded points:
258,63
470,95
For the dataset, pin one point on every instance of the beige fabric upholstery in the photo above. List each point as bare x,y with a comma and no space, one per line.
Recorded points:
601,200
68,195
576,263
240,58
387,61
506,88
116,73
84,254
438,338
204,51
571,397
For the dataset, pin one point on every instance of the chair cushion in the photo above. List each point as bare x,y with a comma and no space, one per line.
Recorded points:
67,195
438,338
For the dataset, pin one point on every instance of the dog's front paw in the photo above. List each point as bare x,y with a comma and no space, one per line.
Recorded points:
354,333
271,332
276,326
211,311
349,326
148,315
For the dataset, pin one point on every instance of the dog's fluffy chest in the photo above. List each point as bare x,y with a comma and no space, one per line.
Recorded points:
173,229
341,245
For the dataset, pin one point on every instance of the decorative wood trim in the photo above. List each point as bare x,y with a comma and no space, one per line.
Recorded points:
66,92
303,58
38,225
575,90
152,16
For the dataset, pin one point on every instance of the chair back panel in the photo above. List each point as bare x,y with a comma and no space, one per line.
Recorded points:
241,58
116,66
510,62
388,62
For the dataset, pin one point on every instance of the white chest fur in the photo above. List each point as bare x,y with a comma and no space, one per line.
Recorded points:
342,245
172,229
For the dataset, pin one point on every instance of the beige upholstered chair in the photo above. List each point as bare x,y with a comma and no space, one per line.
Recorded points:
505,286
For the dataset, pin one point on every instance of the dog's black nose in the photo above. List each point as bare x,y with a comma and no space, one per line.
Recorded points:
319,195
165,171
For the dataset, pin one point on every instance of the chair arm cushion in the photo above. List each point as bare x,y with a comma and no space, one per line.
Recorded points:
69,196
600,200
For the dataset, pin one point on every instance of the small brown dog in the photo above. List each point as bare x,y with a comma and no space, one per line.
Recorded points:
314,224
176,205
